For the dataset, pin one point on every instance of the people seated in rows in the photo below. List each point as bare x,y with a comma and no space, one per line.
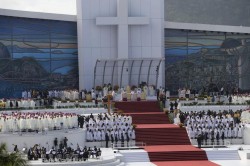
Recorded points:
22,122
63,153
214,125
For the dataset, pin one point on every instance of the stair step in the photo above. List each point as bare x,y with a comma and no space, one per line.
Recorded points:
134,156
223,155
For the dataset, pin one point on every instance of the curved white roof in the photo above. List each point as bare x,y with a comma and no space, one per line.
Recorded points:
38,15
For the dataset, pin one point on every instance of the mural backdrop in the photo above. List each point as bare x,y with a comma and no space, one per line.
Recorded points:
37,54
207,61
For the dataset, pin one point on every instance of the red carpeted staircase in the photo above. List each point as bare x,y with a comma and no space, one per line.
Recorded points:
173,153
150,118
137,107
165,134
167,144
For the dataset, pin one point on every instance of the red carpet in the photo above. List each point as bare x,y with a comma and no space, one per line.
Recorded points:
149,118
156,126
138,106
175,153
161,134
171,148
167,144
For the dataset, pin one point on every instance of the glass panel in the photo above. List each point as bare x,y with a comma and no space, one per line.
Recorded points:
37,54
212,60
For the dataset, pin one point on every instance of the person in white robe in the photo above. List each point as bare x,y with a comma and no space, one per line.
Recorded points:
99,135
229,134
113,94
93,93
139,93
235,132
240,135
105,91
4,126
133,134
89,135
103,135
145,90
151,91
177,119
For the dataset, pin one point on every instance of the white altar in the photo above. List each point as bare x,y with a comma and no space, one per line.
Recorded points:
246,135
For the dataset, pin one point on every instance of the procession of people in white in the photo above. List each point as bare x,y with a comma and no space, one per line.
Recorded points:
115,125
17,121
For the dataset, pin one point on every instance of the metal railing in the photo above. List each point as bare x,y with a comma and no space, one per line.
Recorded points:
129,145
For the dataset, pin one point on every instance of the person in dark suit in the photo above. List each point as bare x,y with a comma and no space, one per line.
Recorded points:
171,106
107,140
122,140
55,143
175,104
157,93
199,140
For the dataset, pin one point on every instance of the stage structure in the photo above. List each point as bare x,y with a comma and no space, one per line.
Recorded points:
136,71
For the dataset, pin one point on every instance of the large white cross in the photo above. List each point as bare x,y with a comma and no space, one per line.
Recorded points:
123,21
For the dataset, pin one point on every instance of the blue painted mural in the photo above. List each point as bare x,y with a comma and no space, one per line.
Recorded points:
37,54
207,61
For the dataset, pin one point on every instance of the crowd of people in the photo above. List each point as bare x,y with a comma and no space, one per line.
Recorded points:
213,126
61,152
23,122
109,128
27,103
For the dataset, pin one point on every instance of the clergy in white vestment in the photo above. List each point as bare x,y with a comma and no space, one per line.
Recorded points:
128,90
167,94
145,90
124,96
105,91
113,94
133,96
139,93
83,95
151,91
29,94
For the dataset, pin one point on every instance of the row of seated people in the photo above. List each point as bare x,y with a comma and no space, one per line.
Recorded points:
63,154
